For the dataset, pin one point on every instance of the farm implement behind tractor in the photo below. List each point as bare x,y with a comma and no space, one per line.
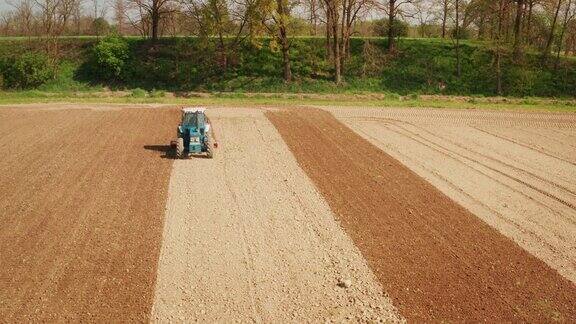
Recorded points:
195,135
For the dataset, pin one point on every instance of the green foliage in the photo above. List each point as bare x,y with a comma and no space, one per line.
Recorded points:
464,33
100,26
381,27
110,57
26,71
64,80
420,66
139,93
157,93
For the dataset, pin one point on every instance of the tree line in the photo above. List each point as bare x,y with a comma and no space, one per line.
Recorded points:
510,27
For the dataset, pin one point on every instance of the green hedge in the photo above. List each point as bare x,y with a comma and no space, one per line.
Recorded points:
26,71
425,66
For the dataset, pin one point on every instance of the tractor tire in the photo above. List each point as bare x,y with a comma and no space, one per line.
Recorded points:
209,150
180,148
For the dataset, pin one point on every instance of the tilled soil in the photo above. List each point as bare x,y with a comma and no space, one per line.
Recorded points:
249,239
82,196
435,258
516,171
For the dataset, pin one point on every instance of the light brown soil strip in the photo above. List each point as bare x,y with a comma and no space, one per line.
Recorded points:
435,259
82,197
247,238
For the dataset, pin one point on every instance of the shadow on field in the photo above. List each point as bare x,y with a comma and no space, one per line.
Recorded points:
168,151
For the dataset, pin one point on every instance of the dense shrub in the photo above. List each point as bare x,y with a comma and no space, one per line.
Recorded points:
139,93
400,27
26,71
110,57
100,26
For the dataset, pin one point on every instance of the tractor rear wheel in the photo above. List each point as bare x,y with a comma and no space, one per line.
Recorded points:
180,148
209,149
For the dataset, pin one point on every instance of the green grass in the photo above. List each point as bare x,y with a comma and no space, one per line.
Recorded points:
65,81
291,100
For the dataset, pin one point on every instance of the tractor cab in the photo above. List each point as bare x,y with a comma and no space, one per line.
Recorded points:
194,133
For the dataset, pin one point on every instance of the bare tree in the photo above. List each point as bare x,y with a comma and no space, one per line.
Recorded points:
393,9
332,21
351,10
529,17
425,14
313,7
54,17
500,14
567,17
77,18
517,48
227,24
150,14
7,23
24,16
457,35
445,11
550,39
120,15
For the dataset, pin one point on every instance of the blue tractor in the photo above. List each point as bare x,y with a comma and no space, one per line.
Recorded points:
194,134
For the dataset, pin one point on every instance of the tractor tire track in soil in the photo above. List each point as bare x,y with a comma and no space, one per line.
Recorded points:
471,160
82,197
520,210
248,238
541,149
435,259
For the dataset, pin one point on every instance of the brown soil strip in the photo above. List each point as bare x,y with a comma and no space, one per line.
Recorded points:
82,197
435,259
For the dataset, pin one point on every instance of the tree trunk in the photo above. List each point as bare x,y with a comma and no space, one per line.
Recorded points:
346,27
482,26
444,18
328,33
458,60
222,52
529,20
565,22
286,60
283,36
336,49
155,20
551,35
498,49
154,28
313,18
391,36
518,30
507,21
343,33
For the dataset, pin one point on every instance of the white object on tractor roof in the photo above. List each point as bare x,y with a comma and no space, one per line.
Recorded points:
193,109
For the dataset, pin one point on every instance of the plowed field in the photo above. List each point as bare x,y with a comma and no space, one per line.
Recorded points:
248,238
82,196
516,171
302,216
437,260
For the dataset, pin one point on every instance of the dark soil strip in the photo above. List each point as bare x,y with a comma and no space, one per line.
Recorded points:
435,259
82,198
